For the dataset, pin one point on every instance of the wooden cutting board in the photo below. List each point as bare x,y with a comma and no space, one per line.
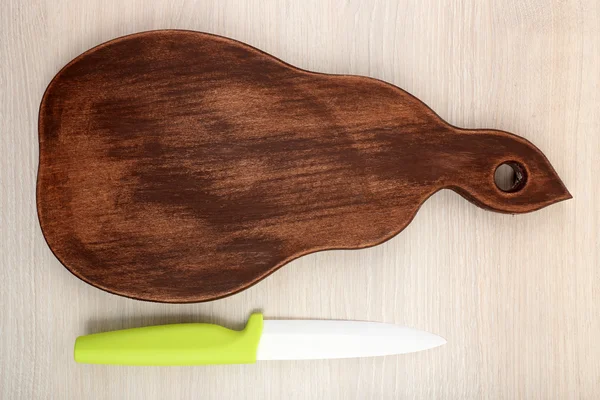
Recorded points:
179,166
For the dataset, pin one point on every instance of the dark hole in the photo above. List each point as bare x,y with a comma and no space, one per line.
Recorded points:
509,177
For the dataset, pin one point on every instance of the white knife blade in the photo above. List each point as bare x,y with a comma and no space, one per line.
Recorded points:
325,339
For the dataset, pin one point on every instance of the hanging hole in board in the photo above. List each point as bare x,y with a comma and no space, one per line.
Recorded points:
510,176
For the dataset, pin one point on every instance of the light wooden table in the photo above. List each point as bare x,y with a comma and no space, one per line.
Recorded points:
517,297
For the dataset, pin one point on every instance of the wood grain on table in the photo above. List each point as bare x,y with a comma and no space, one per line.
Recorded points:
517,297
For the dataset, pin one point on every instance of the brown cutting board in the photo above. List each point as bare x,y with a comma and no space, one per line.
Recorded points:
179,166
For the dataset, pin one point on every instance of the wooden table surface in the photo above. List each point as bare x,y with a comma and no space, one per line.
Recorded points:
517,297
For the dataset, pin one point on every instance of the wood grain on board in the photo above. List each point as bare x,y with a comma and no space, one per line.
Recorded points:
178,166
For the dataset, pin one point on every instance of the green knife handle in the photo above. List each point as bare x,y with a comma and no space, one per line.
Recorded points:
177,344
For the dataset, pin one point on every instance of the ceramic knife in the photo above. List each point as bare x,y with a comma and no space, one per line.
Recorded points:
203,344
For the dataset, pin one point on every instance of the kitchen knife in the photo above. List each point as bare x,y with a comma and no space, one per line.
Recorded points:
203,344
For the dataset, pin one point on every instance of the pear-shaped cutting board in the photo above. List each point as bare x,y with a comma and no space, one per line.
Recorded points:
179,166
